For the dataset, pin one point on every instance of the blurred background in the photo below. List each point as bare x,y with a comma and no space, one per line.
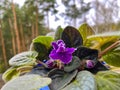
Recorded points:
23,20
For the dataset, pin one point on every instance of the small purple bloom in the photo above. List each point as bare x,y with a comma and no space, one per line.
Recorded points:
90,64
60,52
50,63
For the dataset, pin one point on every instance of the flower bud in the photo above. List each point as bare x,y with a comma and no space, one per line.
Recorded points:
90,64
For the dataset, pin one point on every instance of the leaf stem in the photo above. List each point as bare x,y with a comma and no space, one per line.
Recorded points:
40,62
108,48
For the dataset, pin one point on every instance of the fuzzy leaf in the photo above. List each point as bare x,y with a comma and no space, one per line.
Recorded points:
86,53
42,45
60,78
39,71
10,74
24,58
100,39
84,81
113,57
58,33
104,46
27,82
44,40
73,65
108,80
97,37
72,37
42,51
85,31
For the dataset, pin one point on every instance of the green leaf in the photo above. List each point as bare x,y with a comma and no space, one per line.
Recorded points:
98,67
97,37
39,70
42,45
44,40
84,81
86,53
42,51
27,82
85,31
72,37
113,57
100,39
73,65
60,78
58,33
104,46
10,74
24,58
108,80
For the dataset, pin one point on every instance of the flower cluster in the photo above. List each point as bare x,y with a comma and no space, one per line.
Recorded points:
61,52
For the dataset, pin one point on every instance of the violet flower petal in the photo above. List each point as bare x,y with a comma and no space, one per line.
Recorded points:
53,55
60,41
55,46
70,50
65,58
60,52
60,49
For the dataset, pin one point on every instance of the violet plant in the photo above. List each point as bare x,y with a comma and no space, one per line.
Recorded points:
68,46
73,62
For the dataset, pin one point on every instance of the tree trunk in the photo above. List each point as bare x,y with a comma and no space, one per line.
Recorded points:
16,29
33,31
36,23
13,37
3,47
22,37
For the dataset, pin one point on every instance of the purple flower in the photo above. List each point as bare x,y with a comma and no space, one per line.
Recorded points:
90,64
60,52
50,63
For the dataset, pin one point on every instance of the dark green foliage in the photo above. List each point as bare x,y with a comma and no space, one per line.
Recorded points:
83,81
72,37
42,44
42,51
39,70
60,78
75,64
98,67
86,53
